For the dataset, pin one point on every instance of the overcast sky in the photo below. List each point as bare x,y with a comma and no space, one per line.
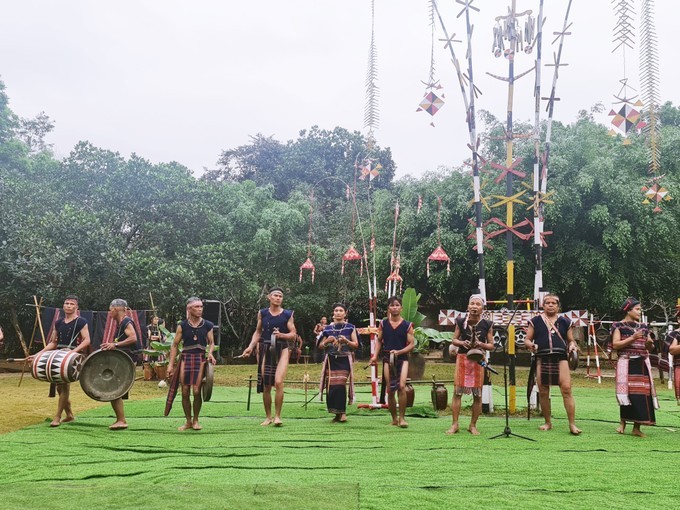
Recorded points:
183,80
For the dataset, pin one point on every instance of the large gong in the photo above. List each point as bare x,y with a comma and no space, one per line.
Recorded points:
107,375
207,387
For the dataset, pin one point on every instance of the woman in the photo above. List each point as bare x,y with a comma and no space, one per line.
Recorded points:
550,337
340,340
674,349
634,383
154,334
472,332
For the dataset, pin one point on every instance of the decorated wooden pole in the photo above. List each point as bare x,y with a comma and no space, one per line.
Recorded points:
469,96
509,31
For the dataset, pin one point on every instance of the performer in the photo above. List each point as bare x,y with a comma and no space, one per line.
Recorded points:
471,332
70,332
125,340
635,390
396,336
674,350
275,328
197,335
550,337
340,340
154,334
318,329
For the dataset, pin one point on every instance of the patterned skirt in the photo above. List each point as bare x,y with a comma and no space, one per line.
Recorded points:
267,362
191,367
548,368
394,381
338,374
635,391
469,377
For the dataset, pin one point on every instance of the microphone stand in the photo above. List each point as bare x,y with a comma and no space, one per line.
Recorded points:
507,432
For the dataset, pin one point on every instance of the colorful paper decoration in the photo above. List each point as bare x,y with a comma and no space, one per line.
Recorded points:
352,254
307,266
439,255
655,193
431,103
626,119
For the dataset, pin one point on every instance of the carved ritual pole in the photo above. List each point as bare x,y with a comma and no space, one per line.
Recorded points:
510,32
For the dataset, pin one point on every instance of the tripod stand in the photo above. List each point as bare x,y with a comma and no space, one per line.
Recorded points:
507,432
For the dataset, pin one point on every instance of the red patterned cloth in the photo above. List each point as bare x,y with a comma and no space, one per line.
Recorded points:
469,377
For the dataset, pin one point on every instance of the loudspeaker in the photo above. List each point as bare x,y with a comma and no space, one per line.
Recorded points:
212,311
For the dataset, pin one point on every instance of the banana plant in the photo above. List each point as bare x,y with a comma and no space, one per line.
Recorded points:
423,336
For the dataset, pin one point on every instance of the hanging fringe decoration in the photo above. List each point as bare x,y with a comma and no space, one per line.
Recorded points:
308,265
350,255
431,102
439,255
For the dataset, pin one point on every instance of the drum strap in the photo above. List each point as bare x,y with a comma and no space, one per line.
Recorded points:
552,327
75,333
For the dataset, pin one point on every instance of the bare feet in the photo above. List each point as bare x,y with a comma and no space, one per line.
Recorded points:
473,430
184,427
278,422
638,433
453,429
55,423
68,419
343,418
545,426
403,424
119,425
266,422
395,422
621,428
573,429
196,426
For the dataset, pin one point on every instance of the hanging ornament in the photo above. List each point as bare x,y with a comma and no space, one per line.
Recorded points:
439,255
655,193
308,265
431,102
350,255
420,204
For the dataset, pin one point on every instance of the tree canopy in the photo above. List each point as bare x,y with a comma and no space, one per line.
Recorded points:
102,226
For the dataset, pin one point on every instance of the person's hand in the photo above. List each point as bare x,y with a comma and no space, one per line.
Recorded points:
171,370
108,346
373,361
212,359
573,346
247,352
467,344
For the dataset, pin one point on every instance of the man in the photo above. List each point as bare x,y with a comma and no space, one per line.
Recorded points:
70,332
396,336
551,338
275,328
472,332
197,335
124,340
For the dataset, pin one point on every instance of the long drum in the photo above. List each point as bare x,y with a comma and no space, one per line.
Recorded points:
107,375
58,366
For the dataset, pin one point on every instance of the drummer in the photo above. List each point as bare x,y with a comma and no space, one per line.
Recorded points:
472,332
70,332
395,336
196,333
551,338
125,340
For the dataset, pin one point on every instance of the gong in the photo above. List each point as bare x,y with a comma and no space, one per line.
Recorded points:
107,375
207,386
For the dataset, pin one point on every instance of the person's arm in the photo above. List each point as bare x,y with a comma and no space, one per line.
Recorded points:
572,345
292,332
674,349
619,344
489,345
255,338
173,350
353,340
2,335
529,341
85,342
51,345
325,340
211,347
410,342
456,337
378,346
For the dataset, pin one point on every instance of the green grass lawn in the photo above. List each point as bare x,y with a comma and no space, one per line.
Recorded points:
311,463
